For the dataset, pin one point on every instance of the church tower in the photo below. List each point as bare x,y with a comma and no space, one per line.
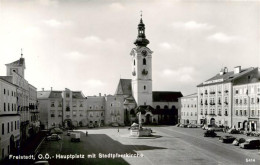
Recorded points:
16,66
142,68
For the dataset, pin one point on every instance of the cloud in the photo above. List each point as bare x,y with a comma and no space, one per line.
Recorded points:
192,25
94,83
116,6
222,38
182,74
169,46
93,40
56,24
47,2
75,55
32,31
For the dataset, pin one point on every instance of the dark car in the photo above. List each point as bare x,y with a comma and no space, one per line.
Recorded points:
210,133
238,141
233,131
227,139
250,144
53,137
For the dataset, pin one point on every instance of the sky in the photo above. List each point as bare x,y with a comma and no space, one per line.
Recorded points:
86,45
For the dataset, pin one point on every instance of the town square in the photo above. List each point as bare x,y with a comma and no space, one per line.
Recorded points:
129,82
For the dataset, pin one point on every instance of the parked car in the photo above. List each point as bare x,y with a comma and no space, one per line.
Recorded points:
238,141
183,125
192,126
90,125
75,137
227,139
250,144
53,137
215,128
210,133
206,127
56,130
69,132
233,131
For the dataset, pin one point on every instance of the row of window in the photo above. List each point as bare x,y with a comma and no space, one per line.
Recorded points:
10,127
253,101
8,93
244,113
187,114
190,106
246,91
213,92
8,107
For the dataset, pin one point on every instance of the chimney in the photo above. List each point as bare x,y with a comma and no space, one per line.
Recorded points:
51,88
99,94
225,70
42,89
237,69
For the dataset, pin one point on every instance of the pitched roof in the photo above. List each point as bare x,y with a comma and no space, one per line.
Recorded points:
226,77
191,95
55,94
164,96
19,62
124,87
43,94
77,95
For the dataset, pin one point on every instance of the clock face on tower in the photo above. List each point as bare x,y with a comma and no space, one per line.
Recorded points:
144,53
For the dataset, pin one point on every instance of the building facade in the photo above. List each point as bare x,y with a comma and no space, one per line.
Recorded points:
189,109
19,103
9,119
215,96
246,104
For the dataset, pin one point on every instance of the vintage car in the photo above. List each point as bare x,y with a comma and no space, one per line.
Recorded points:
191,126
233,131
238,141
215,128
210,133
53,137
227,139
250,144
69,132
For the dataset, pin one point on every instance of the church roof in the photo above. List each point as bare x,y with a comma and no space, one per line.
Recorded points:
124,87
164,96
20,62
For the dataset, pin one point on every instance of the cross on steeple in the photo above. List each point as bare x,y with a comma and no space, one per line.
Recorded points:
21,52
141,13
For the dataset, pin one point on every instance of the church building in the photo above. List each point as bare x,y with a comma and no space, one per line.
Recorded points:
156,107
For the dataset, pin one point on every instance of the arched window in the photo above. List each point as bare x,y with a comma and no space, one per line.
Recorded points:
165,107
134,62
144,61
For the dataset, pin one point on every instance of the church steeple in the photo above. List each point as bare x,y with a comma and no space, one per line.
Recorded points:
141,38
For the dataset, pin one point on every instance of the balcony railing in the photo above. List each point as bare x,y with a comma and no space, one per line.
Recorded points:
219,114
212,93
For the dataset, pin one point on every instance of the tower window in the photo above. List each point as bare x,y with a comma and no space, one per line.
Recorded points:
144,61
144,87
134,62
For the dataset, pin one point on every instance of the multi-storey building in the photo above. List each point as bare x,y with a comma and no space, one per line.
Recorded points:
215,96
246,106
189,109
34,126
59,108
17,116
96,110
9,119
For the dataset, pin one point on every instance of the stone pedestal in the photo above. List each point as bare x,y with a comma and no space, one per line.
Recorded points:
143,132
